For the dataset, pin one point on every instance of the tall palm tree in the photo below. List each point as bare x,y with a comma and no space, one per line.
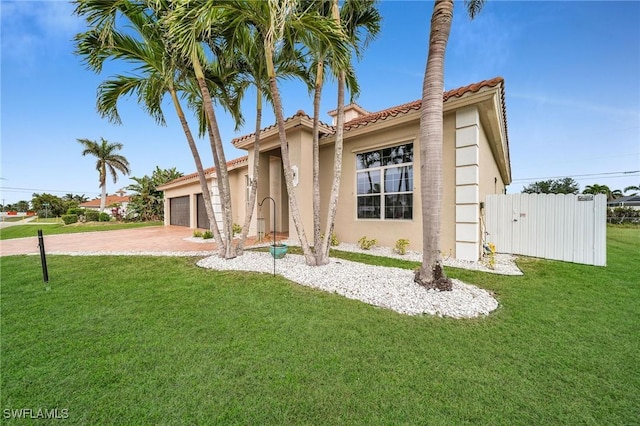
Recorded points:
244,44
190,24
360,21
107,162
281,24
160,70
431,273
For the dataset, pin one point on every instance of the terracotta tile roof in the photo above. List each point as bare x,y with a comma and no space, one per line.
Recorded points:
299,113
390,112
352,105
208,172
416,105
111,199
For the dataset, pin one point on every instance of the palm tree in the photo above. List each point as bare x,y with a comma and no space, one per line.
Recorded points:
431,273
160,69
356,18
281,24
107,161
602,189
632,188
192,26
244,44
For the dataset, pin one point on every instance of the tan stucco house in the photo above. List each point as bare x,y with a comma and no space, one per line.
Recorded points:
380,185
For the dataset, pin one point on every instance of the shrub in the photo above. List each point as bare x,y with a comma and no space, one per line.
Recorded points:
68,219
76,210
623,214
366,244
334,239
401,246
92,215
207,235
104,217
197,234
236,229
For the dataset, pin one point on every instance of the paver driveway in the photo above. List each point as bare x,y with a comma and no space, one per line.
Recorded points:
156,239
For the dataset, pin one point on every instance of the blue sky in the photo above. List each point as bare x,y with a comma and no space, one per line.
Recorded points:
571,70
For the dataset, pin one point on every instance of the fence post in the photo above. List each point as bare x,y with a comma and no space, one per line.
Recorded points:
43,257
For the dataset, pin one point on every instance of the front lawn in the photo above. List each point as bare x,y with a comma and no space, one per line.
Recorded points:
31,229
143,340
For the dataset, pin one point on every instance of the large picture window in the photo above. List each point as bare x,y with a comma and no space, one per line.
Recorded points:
385,183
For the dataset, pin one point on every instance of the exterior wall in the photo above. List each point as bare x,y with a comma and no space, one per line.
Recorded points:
192,189
470,173
237,184
327,154
348,227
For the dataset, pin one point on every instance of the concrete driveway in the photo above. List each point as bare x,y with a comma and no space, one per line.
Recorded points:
151,240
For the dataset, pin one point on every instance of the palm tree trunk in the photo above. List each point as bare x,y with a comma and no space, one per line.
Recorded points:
206,194
431,274
337,171
286,161
226,248
256,168
103,186
316,160
323,259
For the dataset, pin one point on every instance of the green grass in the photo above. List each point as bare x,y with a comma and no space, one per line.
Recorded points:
142,340
13,218
31,230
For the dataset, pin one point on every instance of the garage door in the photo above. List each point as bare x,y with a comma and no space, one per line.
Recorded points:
203,219
179,211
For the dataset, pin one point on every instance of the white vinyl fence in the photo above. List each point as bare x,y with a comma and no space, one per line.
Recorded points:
572,228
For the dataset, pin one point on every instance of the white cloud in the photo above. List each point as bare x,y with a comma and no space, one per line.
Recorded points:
33,28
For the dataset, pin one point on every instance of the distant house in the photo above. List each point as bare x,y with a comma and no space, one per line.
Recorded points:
119,198
380,184
628,201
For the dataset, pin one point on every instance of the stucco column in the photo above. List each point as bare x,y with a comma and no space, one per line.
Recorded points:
193,211
264,177
167,211
301,155
468,184
253,225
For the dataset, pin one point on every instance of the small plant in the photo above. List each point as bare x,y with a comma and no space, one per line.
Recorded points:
197,234
104,217
207,235
401,246
334,239
490,255
236,229
366,244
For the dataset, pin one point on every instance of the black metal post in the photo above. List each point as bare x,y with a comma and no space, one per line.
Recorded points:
43,257
274,230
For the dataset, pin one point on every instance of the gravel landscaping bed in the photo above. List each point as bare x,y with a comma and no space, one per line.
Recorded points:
391,288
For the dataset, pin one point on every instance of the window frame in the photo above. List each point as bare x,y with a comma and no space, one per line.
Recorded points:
382,194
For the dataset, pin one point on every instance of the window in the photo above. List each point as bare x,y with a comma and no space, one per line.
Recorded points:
385,183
